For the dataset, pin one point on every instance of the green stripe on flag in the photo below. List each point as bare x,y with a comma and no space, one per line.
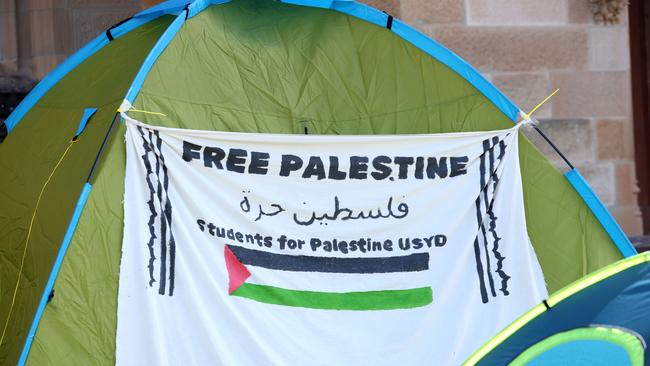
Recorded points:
369,300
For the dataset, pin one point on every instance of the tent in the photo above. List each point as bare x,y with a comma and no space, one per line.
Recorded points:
317,67
602,319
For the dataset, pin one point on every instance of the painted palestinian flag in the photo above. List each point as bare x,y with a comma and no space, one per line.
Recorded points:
241,261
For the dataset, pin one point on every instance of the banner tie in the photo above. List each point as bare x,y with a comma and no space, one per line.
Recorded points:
527,116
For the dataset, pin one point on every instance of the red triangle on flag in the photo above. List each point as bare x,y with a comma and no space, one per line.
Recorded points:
237,272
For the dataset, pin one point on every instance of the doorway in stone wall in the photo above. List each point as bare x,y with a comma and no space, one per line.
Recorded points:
639,18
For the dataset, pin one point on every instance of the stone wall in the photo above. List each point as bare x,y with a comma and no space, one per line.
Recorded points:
526,47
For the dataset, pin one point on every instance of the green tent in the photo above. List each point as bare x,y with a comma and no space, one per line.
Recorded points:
294,66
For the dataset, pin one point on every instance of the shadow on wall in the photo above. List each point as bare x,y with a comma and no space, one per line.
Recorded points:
642,243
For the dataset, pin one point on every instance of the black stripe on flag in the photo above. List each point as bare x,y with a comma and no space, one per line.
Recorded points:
304,263
152,144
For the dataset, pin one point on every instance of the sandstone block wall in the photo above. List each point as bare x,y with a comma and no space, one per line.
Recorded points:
528,48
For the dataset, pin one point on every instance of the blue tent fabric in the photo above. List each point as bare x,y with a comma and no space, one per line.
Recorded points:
584,353
592,346
621,300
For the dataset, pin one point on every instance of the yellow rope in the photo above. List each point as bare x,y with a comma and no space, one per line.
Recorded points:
29,233
141,111
527,116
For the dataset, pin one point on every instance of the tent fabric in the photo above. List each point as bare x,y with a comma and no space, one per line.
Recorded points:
71,63
78,325
246,66
586,347
615,296
160,45
48,292
600,211
29,155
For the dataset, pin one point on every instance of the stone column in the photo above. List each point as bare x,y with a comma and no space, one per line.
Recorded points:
8,38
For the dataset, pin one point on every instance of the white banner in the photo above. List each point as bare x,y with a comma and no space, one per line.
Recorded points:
262,249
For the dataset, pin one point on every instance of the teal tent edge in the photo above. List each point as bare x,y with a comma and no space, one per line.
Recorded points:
599,210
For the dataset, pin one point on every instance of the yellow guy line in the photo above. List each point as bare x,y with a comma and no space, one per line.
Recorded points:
527,115
141,111
29,233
